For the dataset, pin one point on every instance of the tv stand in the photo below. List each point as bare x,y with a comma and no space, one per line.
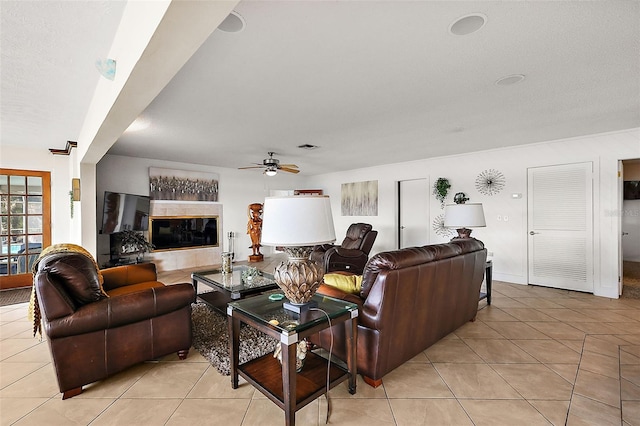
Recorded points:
124,261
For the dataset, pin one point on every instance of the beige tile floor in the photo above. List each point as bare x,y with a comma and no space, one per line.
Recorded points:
535,356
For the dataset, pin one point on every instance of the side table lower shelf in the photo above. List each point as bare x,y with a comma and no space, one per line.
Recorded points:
265,373
488,279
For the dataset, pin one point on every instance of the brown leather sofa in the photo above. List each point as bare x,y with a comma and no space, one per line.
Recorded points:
92,335
349,256
410,299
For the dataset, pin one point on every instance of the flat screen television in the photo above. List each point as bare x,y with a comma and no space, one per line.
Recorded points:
122,212
631,190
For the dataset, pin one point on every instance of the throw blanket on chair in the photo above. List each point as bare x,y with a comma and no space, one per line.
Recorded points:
34,309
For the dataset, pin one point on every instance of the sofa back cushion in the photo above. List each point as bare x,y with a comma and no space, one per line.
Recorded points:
412,256
76,274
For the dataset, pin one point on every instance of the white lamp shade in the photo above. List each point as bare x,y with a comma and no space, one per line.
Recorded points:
470,215
297,221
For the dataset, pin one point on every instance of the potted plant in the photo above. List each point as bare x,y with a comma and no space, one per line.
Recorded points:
134,243
441,189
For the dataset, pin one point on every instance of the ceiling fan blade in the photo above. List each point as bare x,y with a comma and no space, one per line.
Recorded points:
291,166
250,167
288,170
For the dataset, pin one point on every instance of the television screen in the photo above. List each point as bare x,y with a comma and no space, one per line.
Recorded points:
122,212
631,190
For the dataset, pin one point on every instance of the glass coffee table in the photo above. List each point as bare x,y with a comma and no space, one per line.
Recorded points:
229,287
288,389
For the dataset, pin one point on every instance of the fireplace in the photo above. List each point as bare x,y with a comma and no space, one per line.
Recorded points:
183,232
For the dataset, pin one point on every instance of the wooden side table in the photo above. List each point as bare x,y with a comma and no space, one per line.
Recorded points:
288,389
488,271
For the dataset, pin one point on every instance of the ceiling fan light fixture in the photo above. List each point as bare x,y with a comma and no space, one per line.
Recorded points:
271,172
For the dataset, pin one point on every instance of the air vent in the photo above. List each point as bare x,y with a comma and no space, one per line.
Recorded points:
308,146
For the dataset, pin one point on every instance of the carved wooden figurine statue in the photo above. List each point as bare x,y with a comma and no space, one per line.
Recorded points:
254,229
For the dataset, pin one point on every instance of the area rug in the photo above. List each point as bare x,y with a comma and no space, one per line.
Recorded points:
211,338
11,297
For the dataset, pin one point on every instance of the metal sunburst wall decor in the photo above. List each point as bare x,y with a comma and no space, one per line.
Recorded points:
439,228
490,182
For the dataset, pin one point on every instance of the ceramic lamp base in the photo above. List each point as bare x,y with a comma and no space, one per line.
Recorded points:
298,277
463,233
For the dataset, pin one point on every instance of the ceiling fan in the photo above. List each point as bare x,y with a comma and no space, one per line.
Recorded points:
272,165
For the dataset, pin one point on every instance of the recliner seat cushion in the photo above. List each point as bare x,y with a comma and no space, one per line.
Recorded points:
77,274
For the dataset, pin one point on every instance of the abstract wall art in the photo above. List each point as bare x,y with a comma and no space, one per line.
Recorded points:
360,198
169,184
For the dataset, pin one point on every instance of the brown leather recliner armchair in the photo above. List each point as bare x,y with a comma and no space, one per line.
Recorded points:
349,256
93,333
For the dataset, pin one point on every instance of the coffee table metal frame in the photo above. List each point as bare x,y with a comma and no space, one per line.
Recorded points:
230,287
281,384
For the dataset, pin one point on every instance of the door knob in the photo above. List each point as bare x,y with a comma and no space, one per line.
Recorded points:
402,227
533,233
625,233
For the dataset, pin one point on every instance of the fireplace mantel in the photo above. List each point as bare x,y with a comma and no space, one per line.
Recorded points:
187,258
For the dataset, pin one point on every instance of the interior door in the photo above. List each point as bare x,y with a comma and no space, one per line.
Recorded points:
560,226
413,213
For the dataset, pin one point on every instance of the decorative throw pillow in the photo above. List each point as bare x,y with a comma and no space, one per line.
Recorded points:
347,283
78,275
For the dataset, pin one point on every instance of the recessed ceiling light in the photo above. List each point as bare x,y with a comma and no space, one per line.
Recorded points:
468,24
510,79
234,23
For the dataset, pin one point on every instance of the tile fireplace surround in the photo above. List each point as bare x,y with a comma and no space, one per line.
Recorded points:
187,258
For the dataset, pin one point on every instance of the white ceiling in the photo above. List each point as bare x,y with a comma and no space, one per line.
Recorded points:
48,54
368,82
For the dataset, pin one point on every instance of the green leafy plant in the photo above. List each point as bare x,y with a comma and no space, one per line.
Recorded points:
441,189
134,242
71,202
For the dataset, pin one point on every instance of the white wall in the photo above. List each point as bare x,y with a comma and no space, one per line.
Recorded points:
507,240
64,229
238,189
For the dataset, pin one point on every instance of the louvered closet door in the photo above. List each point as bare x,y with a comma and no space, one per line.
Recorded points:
560,226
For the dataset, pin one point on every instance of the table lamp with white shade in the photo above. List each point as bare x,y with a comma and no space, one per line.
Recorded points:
464,216
297,224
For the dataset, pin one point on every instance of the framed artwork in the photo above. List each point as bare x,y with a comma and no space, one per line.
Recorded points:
169,184
360,198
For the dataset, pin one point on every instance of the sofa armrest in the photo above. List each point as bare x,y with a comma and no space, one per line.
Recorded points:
121,310
119,276
336,293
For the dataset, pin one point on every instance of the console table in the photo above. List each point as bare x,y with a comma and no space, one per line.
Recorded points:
288,389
